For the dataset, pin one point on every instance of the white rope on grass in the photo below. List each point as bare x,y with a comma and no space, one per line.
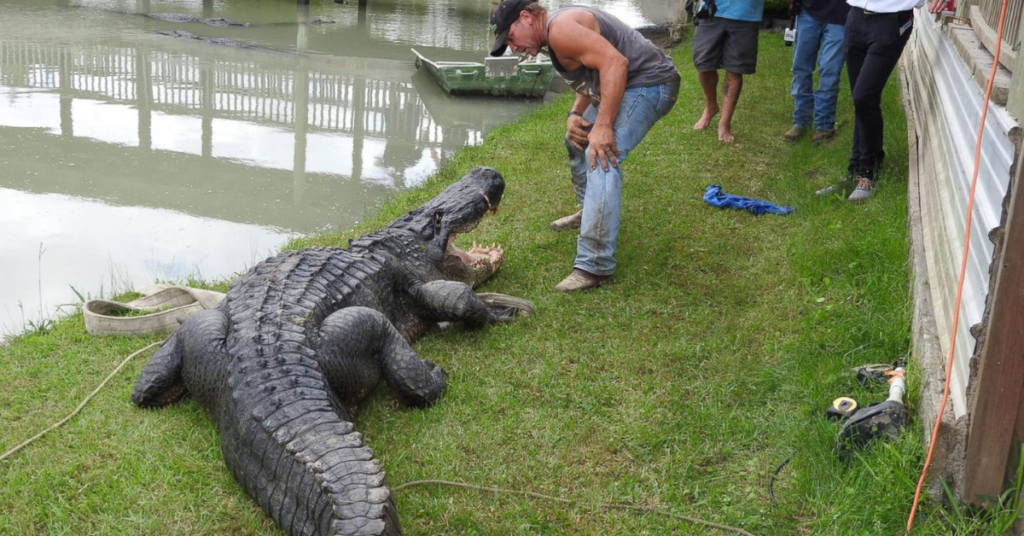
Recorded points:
611,506
64,421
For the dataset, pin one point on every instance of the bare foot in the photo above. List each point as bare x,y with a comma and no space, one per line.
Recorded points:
724,134
705,118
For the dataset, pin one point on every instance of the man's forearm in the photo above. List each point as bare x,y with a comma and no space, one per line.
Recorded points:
613,85
580,104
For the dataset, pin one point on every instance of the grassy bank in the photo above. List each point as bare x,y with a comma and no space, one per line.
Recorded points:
683,385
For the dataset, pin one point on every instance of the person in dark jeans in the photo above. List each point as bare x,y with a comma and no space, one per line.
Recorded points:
876,33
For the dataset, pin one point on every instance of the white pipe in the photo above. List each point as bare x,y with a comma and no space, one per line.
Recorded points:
897,386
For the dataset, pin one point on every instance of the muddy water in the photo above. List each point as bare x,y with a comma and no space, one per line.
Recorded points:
128,156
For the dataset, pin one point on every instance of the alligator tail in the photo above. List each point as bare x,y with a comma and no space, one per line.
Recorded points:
306,466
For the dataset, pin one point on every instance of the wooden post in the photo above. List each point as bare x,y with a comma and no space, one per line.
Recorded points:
1000,367
300,98
144,97
64,66
208,91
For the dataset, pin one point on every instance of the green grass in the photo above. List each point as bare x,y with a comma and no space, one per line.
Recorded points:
682,385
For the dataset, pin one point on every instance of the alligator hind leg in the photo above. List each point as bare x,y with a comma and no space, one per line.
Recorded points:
358,345
162,381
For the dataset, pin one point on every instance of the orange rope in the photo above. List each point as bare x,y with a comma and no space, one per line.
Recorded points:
963,270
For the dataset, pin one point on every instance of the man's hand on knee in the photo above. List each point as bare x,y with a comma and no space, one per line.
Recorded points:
577,129
602,148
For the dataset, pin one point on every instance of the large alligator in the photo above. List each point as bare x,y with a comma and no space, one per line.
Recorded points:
302,338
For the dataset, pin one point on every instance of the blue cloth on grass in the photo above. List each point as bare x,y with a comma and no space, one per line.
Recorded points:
717,198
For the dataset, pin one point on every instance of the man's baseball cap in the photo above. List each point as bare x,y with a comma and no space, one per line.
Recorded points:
502,18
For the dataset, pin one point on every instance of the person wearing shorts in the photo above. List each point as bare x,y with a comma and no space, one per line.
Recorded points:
727,41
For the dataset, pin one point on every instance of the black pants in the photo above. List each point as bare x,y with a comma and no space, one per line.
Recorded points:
874,43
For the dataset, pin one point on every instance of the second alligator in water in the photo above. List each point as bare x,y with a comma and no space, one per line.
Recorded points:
302,338
181,34
181,17
215,21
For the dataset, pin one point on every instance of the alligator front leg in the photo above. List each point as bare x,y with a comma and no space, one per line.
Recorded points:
454,301
359,344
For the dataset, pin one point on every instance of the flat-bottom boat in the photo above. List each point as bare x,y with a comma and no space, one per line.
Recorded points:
507,76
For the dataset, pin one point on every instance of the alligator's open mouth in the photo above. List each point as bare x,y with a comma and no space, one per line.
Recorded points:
477,256
457,211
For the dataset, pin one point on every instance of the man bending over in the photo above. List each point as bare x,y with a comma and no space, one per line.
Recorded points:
623,85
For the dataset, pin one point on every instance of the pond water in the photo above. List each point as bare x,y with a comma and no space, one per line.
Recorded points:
128,156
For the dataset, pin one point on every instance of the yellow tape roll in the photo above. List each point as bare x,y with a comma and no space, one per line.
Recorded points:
844,405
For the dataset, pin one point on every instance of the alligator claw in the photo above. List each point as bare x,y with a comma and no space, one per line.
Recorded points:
505,308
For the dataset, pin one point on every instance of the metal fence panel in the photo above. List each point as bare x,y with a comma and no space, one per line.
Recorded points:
948,108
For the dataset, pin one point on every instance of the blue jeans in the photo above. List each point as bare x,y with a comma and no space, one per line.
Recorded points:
821,44
600,191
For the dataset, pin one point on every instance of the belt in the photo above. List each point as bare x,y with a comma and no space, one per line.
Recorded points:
869,12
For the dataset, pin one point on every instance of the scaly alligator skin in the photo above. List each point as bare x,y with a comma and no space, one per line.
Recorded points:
302,338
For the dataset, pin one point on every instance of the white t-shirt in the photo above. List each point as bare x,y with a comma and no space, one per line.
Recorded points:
886,6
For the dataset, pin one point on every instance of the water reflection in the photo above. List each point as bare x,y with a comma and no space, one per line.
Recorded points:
333,119
133,156
53,254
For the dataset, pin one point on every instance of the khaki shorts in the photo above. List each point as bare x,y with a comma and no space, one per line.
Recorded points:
726,44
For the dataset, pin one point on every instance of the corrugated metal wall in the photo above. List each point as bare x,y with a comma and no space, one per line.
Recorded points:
947,108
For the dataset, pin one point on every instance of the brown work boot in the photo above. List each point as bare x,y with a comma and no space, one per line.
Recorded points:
822,135
582,280
568,222
794,133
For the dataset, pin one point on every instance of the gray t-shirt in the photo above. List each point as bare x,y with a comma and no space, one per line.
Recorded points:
648,65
